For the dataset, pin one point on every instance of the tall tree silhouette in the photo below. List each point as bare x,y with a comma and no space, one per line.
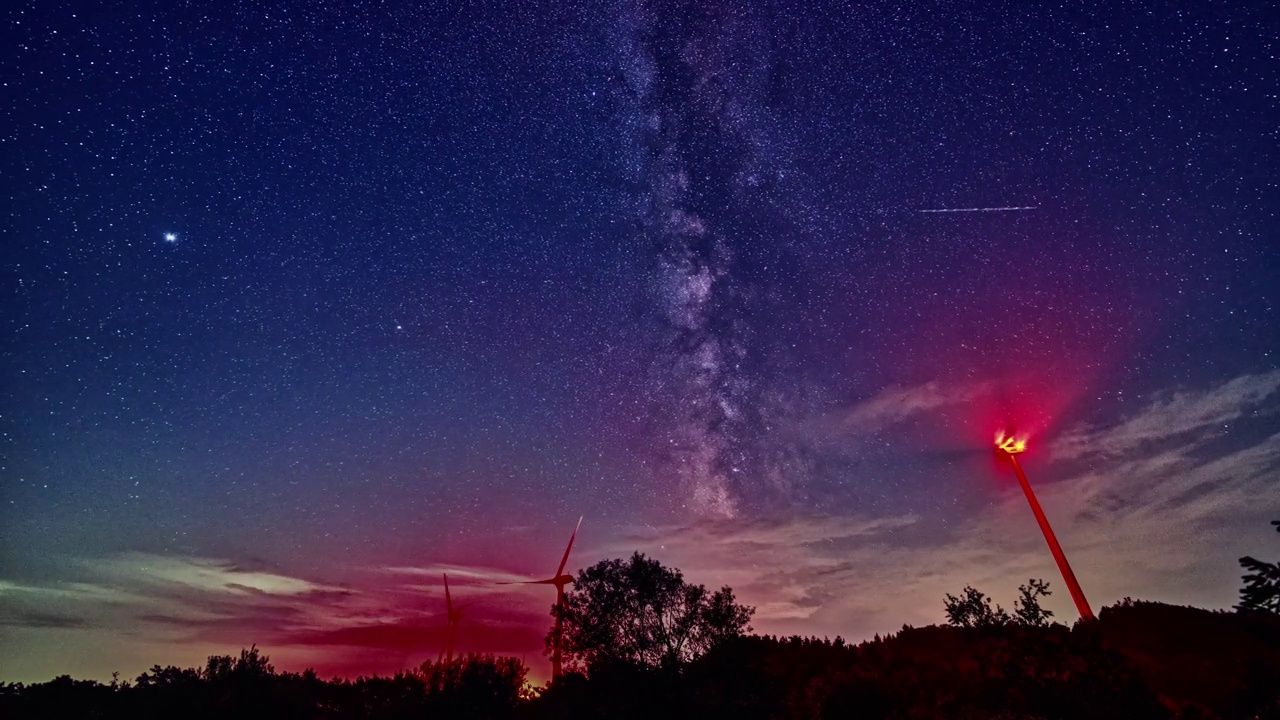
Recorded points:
1261,589
641,613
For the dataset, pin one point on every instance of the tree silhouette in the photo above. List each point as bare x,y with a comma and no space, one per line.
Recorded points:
1261,589
640,613
974,610
250,666
1027,610
475,686
1139,661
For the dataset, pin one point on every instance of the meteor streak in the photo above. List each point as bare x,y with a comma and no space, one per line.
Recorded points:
988,209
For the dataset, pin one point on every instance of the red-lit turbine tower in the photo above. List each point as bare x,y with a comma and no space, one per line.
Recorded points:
1012,448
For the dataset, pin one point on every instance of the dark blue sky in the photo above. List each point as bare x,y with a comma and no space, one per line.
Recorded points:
320,300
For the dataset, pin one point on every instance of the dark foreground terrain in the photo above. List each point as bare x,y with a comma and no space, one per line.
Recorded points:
1137,660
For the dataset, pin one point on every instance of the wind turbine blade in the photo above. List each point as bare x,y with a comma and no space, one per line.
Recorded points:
565,559
548,581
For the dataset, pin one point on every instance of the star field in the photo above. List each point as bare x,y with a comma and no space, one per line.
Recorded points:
341,296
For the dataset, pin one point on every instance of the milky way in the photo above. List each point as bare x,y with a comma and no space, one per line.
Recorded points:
696,106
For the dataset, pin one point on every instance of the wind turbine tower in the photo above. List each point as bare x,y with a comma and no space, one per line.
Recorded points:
560,579
452,618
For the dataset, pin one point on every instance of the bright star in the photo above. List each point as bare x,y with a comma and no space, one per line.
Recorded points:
171,237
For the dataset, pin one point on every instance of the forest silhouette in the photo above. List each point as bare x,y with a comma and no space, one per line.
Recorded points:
641,642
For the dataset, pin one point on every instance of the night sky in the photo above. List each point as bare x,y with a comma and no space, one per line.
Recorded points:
305,305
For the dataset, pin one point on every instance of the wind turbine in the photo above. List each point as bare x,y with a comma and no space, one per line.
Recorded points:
452,617
1013,447
560,579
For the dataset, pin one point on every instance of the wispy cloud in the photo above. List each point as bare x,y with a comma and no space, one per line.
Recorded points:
392,619
174,595
199,574
1171,416
515,633
28,617
65,591
65,604
895,404
732,535
779,565
477,577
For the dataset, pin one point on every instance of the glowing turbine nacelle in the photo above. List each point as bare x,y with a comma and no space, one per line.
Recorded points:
1010,444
